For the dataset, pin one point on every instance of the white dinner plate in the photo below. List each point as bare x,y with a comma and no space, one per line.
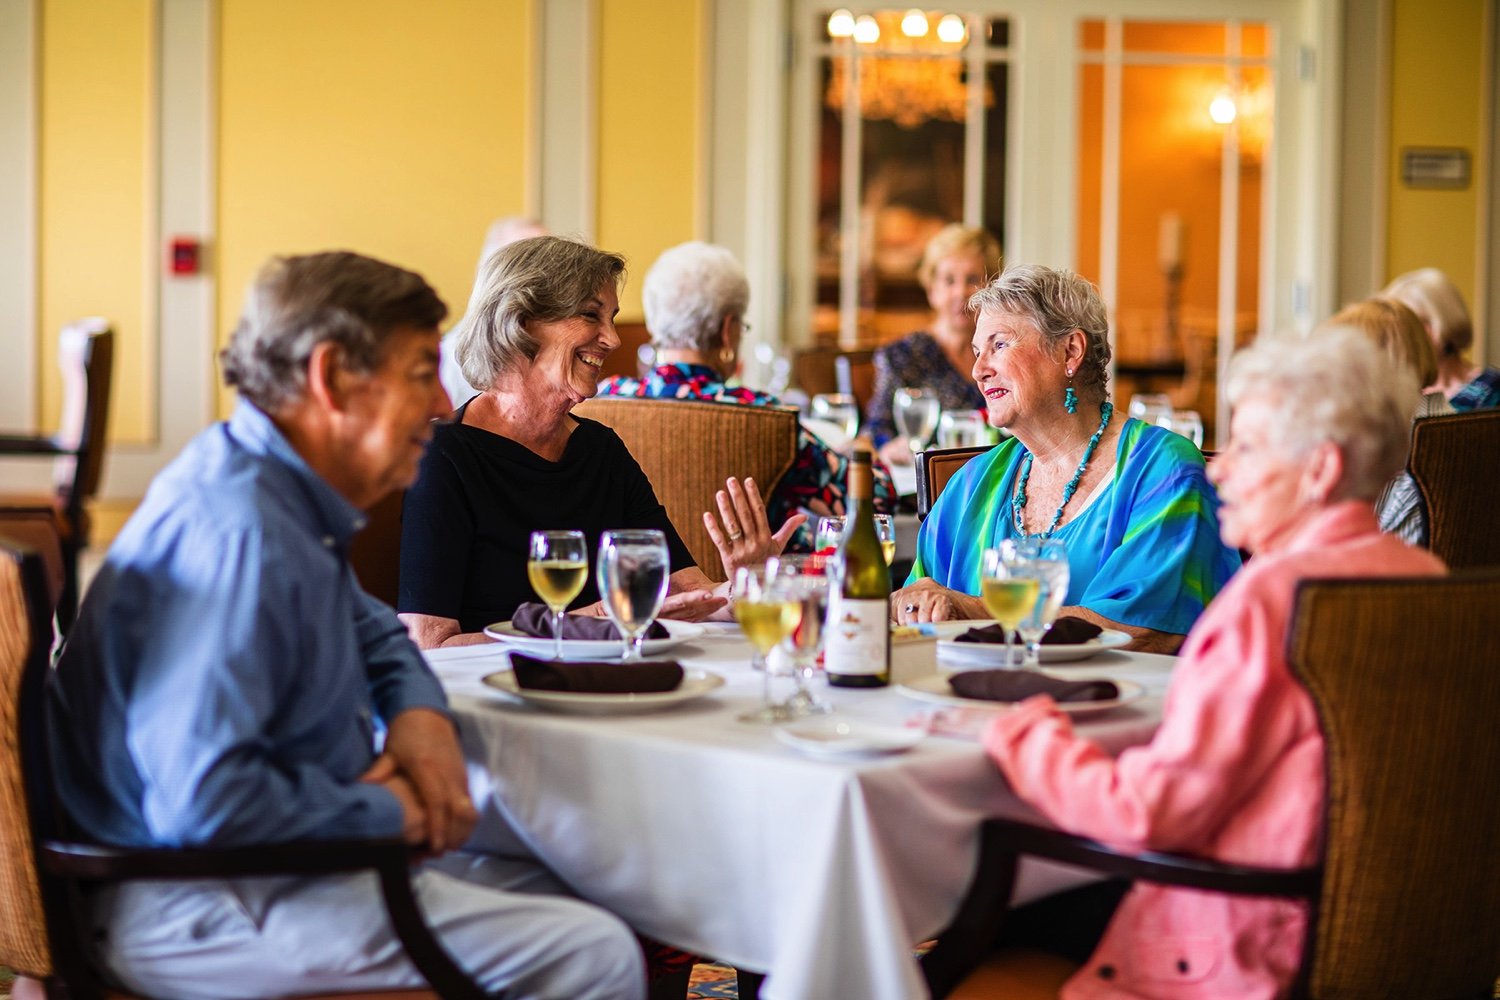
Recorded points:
992,654
934,688
831,736
695,684
592,649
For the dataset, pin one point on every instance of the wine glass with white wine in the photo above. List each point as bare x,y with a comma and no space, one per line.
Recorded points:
633,569
1007,594
557,568
768,612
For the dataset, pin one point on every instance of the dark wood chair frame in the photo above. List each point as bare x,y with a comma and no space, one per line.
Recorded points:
1453,458
84,450
935,467
66,865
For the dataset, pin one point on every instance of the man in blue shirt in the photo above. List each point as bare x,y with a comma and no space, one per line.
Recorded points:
227,675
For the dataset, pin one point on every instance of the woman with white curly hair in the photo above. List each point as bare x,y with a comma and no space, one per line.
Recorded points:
695,297
1236,771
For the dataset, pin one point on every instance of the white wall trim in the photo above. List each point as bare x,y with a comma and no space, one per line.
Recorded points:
19,97
183,202
1364,188
568,71
1486,248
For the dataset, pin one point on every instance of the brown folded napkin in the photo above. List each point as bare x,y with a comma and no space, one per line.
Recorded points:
595,678
1066,631
1018,685
534,618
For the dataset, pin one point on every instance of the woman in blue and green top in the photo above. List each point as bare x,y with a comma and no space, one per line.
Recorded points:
1130,500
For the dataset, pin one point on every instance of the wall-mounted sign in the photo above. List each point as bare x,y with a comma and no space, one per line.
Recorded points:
1435,167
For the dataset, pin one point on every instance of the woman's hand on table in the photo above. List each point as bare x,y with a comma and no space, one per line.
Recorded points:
929,601
742,532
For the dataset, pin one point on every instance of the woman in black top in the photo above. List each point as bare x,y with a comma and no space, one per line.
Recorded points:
514,459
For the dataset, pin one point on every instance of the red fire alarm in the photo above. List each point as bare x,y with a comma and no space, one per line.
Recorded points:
186,255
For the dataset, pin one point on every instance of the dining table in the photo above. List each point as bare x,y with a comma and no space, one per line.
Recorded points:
821,871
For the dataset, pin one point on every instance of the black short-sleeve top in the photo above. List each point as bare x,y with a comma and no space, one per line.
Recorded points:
467,520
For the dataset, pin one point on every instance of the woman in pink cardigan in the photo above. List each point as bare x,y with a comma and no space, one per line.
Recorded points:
1235,772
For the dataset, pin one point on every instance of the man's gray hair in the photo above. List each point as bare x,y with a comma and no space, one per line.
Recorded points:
297,303
545,278
1339,387
688,292
1056,302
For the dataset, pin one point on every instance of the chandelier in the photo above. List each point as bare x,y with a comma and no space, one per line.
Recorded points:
910,70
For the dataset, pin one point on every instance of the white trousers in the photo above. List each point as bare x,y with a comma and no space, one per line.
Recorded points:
507,921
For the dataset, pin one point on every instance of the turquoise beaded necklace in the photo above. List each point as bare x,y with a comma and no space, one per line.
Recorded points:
1018,502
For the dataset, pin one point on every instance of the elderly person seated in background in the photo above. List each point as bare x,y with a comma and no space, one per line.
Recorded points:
515,459
1236,771
1130,500
955,265
1440,307
695,297
1397,331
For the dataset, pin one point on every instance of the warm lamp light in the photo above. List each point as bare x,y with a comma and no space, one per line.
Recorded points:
840,24
914,24
1222,109
951,29
866,30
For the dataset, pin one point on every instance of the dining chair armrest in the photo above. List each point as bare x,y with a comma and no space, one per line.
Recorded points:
21,444
1018,837
975,928
390,859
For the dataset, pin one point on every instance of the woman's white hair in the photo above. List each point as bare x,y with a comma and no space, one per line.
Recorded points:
688,292
1336,387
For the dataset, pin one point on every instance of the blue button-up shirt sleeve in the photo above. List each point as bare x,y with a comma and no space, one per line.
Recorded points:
228,723
399,677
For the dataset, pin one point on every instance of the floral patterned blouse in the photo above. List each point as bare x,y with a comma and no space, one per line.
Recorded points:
815,483
915,360
1481,394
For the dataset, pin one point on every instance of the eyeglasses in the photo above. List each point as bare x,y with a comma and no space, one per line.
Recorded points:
745,327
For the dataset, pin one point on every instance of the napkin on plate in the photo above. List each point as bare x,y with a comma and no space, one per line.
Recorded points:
595,678
535,619
1066,631
1018,685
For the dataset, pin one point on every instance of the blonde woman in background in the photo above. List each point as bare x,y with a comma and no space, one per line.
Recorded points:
1399,332
955,265
1440,307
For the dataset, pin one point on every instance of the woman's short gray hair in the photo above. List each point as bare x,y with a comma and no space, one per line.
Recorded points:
297,303
688,292
546,278
1339,387
1056,302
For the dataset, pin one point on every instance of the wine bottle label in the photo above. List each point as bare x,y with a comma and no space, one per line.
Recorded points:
859,636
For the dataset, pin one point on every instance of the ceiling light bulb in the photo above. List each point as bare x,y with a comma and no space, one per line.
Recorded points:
914,24
840,24
866,30
951,29
1222,110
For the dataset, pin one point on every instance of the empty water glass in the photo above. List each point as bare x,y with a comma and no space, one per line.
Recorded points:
1189,424
1151,407
839,409
917,412
962,429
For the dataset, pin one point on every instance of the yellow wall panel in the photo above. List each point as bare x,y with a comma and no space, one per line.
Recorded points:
390,127
1435,98
651,89
95,204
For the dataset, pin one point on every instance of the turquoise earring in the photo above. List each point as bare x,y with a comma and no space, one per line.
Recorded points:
1070,398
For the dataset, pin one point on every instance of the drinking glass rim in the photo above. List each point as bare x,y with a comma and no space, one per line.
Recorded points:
632,536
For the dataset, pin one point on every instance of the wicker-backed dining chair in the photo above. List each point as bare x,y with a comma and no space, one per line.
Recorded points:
687,449
1405,676
86,358
1453,460
935,467
45,930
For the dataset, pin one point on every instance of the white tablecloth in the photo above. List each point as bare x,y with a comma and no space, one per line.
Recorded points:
709,834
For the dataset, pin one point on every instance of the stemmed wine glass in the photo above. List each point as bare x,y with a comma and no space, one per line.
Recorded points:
633,568
1008,593
917,412
831,529
557,568
1045,560
768,613
804,579
837,408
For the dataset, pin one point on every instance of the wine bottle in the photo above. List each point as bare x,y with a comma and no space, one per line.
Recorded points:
858,634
